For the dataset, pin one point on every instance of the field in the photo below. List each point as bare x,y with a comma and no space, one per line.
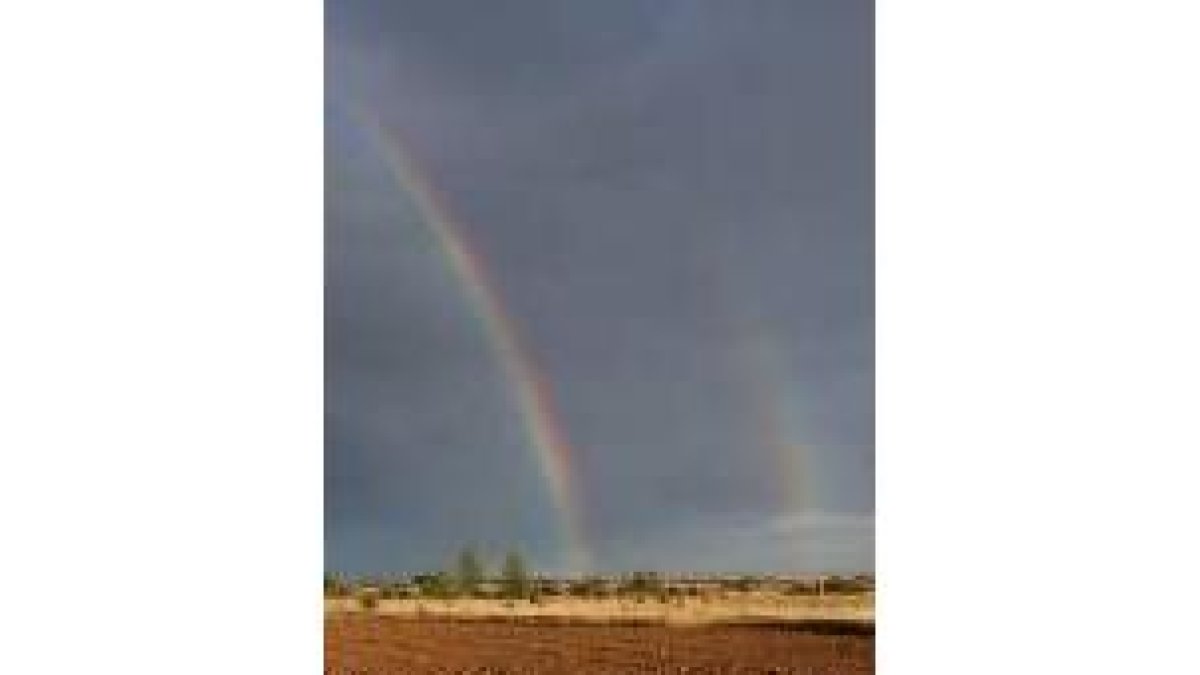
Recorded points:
732,607
370,642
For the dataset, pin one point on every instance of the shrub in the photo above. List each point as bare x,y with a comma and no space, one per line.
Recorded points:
368,599
335,587
437,586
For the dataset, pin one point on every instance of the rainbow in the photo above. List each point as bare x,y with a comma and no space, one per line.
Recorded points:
530,387
758,360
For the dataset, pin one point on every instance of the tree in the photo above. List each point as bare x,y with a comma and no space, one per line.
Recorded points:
589,587
470,571
644,583
436,585
334,586
515,577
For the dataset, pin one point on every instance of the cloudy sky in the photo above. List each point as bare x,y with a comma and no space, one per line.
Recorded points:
674,202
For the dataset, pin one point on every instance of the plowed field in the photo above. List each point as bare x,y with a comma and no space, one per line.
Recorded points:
367,643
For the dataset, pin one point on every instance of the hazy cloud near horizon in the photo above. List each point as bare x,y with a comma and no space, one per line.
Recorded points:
675,200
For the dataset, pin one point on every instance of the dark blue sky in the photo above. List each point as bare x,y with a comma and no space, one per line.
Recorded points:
675,200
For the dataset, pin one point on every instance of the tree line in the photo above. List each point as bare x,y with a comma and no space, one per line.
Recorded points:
468,577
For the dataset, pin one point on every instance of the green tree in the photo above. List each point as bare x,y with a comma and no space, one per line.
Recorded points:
515,576
334,586
469,571
644,583
437,585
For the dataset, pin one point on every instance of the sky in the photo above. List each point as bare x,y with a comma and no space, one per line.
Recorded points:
671,204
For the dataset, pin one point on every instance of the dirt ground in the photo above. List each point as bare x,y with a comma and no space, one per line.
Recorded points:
689,610
372,643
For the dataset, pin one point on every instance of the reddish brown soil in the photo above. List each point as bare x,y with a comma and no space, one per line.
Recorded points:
361,643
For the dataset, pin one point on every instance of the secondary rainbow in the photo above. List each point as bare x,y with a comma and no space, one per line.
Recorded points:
530,387
760,363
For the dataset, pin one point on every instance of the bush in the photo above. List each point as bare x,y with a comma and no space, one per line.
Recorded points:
335,587
743,584
844,585
368,599
438,586
800,588
589,587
